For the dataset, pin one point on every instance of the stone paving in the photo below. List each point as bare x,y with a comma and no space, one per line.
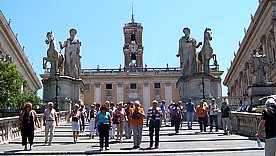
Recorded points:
187,142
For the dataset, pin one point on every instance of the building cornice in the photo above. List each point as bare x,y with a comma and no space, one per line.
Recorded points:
246,42
18,52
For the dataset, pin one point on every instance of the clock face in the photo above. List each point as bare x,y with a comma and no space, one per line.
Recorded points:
133,47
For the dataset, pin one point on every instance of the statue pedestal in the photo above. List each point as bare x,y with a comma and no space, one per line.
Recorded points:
198,84
258,91
70,91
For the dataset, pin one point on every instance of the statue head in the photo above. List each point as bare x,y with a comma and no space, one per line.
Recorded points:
73,31
186,31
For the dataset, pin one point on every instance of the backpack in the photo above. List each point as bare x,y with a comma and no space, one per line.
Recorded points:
136,115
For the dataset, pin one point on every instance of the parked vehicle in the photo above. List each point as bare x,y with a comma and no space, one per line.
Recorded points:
258,108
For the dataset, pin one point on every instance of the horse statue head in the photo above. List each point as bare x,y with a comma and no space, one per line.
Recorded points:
49,37
208,34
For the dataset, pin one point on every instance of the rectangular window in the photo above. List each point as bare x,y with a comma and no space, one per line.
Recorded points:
87,86
157,85
133,86
108,86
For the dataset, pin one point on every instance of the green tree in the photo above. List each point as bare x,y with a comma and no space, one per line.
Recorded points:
10,85
29,96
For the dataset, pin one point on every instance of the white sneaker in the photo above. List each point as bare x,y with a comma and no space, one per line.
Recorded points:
101,149
107,148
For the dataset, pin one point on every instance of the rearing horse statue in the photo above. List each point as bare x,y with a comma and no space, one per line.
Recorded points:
53,56
206,53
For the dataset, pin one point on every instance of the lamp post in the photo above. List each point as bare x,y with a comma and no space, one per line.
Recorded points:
56,103
203,91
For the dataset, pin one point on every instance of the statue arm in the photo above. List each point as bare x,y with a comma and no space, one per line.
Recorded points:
180,49
62,46
197,45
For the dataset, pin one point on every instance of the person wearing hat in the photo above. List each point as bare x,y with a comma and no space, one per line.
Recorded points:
91,119
190,109
49,117
27,124
153,122
213,113
72,55
76,120
268,120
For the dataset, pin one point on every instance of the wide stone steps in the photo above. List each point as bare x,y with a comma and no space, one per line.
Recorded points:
187,142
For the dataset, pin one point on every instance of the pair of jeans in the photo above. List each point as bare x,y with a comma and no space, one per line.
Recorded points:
112,131
176,121
92,125
226,122
82,125
104,134
202,123
50,126
128,130
137,134
120,129
213,118
154,126
190,118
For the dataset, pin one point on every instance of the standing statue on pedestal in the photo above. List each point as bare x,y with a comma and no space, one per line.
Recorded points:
206,53
53,56
257,67
72,54
187,53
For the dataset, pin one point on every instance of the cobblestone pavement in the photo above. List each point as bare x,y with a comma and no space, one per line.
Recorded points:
187,142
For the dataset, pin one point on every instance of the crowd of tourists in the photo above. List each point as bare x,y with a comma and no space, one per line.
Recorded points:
126,120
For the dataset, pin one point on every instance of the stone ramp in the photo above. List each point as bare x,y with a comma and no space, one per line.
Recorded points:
187,142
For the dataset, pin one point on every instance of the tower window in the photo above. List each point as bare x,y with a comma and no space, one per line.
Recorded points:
133,38
157,85
108,86
133,86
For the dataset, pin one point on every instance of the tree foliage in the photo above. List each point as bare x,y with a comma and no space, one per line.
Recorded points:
11,85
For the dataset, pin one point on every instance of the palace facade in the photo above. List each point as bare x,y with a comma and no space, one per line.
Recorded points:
10,48
133,81
253,71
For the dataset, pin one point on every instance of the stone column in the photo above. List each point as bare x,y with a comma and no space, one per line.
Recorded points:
97,92
146,97
168,93
120,91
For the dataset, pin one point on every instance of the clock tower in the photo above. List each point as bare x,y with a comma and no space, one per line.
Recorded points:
133,47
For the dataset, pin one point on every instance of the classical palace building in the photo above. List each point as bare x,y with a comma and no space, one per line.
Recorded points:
253,71
133,81
11,49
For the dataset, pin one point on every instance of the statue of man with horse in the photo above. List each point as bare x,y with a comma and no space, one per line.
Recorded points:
53,56
187,53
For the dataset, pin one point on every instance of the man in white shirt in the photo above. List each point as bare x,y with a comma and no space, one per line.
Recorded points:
49,117
213,108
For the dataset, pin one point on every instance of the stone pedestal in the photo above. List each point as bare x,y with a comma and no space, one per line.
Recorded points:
196,85
258,91
70,91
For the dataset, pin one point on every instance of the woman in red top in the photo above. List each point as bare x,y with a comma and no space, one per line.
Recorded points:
201,112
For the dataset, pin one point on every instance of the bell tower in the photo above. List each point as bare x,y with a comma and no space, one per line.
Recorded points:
133,47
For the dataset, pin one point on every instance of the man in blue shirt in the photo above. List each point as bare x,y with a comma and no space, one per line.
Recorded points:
190,109
164,111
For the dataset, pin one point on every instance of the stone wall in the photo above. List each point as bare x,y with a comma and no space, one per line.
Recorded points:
244,123
9,126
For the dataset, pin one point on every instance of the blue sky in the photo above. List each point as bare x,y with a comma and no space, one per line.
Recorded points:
100,27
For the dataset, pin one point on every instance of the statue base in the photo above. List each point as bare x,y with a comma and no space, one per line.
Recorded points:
259,90
199,86
70,91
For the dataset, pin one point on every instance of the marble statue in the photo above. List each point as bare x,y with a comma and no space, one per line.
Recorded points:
72,65
187,53
53,56
257,67
203,57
